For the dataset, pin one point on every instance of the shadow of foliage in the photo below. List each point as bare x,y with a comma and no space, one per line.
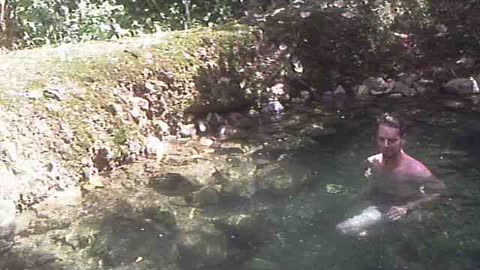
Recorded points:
226,82
19,259
341,43
126,235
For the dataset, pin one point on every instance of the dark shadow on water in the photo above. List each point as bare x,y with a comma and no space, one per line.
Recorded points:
126,235
172,184
18,259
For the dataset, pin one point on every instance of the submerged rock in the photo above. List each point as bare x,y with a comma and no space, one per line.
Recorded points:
206,246
281,179
205,196
236,177
315,130
172,184
123,238
161,216
246,230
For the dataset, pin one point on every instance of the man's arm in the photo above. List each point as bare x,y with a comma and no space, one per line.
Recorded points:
430,188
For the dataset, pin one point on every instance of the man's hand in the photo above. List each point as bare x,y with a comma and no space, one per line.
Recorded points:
396,213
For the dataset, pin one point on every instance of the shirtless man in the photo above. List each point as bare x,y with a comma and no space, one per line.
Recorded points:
398,183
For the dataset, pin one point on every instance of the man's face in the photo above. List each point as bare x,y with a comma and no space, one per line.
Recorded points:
389,141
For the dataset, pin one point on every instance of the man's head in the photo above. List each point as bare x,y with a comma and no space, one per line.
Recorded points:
390,135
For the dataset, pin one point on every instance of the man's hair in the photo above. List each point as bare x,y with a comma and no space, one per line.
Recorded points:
394,121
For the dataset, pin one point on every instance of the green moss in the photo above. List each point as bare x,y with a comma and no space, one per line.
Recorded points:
177,55
121,136
89,71
37,84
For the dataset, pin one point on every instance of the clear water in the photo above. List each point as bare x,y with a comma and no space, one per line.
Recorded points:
448,236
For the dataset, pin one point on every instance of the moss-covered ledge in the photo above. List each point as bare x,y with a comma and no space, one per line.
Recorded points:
80,105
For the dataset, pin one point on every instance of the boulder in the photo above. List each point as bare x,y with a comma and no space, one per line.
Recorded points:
403,88
376,86
361,90
461,86
408,78
272,107
339,91
154,147
420,87
187,131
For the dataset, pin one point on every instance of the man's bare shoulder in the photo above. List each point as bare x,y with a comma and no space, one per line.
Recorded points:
417,169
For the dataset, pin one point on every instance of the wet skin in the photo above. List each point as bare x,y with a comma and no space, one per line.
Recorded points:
398,182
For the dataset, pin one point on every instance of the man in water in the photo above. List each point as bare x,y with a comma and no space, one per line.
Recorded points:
398,183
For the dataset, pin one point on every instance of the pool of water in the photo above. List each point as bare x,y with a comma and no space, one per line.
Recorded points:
446,236
116,227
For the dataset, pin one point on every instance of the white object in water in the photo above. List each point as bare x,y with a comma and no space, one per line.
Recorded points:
356,225
7,213
475,87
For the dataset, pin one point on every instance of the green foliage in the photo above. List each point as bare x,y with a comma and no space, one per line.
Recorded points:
54,21
39,22
171,14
